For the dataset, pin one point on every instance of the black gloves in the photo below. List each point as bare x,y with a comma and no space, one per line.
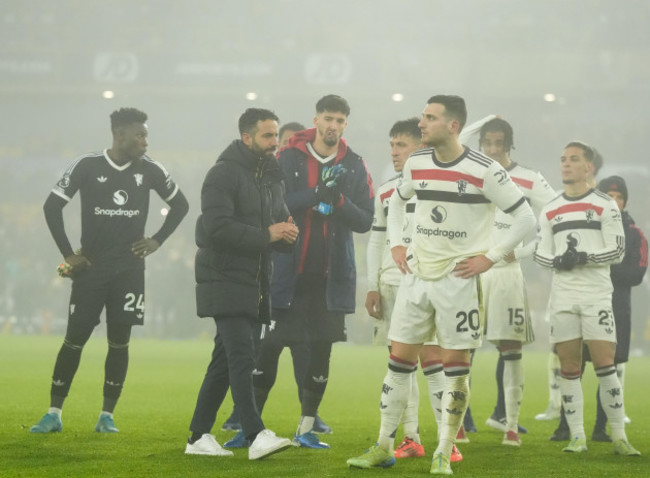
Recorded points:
569,260
328,191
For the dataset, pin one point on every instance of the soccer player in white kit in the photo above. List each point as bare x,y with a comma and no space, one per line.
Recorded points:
581,235
384,278
508,322
457,190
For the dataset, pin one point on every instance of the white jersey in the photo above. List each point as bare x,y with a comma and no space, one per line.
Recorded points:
537,192
380,260
590,223
455,210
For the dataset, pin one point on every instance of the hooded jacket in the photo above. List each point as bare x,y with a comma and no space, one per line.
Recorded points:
242,195
353,213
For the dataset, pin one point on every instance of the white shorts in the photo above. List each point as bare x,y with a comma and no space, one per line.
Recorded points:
387,294
448,311
506,307
589,322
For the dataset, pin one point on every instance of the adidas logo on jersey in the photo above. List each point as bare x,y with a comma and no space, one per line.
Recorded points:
320,379
102,179
422,184
476,335
58,383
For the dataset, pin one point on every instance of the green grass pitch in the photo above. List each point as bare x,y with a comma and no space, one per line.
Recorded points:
164,378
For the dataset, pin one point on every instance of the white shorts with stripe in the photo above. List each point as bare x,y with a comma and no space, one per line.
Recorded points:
448,312
387,295
506,307
571,321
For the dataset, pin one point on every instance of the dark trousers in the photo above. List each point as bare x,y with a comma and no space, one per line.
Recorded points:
233,360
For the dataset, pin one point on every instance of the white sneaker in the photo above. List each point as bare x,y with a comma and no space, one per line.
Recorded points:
551,413
206,445
267,443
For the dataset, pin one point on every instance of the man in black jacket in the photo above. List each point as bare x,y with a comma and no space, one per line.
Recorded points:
625,275
243,214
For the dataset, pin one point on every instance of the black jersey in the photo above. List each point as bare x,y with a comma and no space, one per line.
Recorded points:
114,204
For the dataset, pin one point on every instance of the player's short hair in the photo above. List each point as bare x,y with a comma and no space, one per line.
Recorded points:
408,127
597,161
454,107
249,118
333,104
127,116
587,150
498,125
292,126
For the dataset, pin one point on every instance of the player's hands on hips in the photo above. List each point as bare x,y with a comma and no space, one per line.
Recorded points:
76,263
510,257
144,247
472,266
399,256
373,304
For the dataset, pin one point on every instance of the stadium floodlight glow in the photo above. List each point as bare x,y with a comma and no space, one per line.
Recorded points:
164,211
397,97
251,96
549,97
108,94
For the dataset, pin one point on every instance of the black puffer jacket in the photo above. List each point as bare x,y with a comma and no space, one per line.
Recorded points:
241,196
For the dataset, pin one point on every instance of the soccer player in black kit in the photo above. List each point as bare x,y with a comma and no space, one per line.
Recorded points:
108,270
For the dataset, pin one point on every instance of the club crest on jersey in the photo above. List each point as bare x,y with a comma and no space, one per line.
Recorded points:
64,182
590,214
438,214
501,176
120,197
138,179
462,186
102,179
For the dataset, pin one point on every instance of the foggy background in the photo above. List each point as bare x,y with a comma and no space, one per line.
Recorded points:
556,70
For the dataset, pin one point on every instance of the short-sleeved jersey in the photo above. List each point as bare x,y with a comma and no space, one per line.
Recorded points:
455,210
381,266
537,192
114,204
589,223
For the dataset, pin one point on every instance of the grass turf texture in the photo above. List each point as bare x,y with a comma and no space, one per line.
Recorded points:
160,393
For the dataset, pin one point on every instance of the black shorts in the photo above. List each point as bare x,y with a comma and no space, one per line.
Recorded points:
308,319
121,292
